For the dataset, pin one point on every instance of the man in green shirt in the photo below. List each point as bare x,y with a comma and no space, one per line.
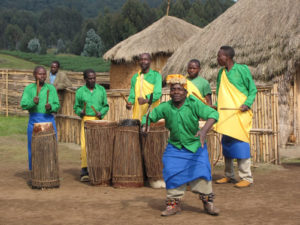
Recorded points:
90,104
41,100
185,158
143,84
235,91
203,86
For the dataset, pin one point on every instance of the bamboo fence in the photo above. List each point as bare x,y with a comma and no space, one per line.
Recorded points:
264,135
13,82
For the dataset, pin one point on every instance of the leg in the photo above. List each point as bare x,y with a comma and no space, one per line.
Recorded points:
204,189
84,176
245,174
229,172
173,200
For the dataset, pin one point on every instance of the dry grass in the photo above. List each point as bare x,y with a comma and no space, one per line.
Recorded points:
264,33
163,36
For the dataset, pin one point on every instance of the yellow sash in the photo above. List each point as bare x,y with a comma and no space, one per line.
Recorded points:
192,88
82,140
233,123
142,88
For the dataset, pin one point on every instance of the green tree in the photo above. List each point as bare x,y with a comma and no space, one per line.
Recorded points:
34,45
28,35
60,47
13,35
93,44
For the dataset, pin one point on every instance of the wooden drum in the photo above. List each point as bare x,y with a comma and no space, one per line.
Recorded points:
45,171
154,145
99,139
127,159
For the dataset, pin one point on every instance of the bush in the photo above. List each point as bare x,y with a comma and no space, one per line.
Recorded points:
93,44
34,45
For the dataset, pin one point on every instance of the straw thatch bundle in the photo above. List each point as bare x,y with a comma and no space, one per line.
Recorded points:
160,40
265,35
163,36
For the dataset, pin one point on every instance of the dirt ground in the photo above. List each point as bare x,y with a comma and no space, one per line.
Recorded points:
273,199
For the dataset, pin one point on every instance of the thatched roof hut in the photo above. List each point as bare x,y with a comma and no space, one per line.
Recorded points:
266,37
160,39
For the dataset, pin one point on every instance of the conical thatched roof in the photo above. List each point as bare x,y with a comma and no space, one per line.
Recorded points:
163,36
264,33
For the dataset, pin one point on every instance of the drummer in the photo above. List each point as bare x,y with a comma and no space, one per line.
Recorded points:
185,158
40,99
143,84
90,104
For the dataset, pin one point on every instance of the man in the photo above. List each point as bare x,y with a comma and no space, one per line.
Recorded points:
201,84
143,84
90,104
34,99
57,78
185,159
236,92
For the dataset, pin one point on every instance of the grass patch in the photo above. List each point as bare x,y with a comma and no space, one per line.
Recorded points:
290,160
13,125
67,61
11,62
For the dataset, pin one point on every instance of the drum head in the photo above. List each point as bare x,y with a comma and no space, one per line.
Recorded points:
42,127
160,123
99,123
129,123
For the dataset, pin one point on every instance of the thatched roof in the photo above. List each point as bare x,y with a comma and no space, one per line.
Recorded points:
163,36
264,33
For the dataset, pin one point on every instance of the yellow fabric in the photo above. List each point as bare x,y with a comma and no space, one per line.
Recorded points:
192,88
82,140
233,123
142,88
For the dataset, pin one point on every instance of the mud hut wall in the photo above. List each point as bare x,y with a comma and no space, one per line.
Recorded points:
121,73
13,82
297,103
286,105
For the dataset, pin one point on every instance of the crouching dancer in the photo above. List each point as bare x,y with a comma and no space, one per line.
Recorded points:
185,159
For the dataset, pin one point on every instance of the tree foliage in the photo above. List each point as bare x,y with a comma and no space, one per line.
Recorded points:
93,45
113,21
34,45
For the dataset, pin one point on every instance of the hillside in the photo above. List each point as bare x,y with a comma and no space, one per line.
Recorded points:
87,8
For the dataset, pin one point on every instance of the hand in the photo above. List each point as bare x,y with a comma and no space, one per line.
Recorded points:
214,107
36,100
144,132
142,101
98,114
129,106
48,106
202,135
244,108
82,113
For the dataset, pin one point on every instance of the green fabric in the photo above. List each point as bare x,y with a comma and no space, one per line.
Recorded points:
202,85
183,123
97,98
152,77
29,93
240,76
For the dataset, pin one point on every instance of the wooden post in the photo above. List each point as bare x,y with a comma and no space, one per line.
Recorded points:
6,86
2,88
168,7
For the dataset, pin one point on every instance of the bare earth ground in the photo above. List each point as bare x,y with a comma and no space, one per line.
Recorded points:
273,199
